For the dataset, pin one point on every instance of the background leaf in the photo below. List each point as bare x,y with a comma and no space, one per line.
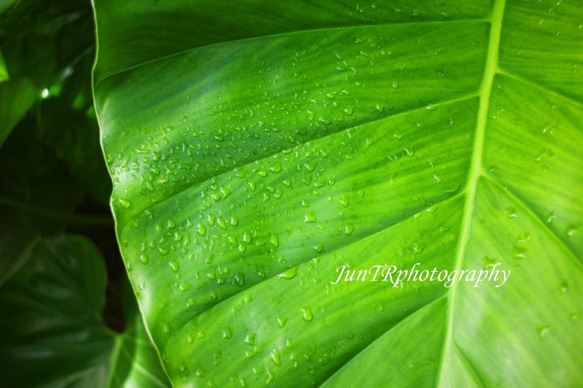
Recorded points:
260,149
64,283
51,44
55,336
52,179
16,96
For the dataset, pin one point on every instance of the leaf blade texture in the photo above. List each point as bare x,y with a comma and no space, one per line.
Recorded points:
254,154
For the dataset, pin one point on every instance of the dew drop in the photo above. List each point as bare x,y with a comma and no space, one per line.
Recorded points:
307,314
510,212
250,339
550,218
348,229
289,274
309,217
543,331
228,333
488,262
570,230
281,322
174,265
343,200
275,357
125,203
519,252
274,240
251,352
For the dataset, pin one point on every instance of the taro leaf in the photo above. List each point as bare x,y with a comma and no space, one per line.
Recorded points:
53,335
258,147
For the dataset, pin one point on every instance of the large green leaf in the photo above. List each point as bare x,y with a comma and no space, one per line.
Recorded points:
258,147
52,333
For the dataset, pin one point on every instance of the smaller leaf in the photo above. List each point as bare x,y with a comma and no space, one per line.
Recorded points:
54,329
54,334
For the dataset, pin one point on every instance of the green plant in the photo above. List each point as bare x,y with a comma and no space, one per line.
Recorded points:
263,153
56,327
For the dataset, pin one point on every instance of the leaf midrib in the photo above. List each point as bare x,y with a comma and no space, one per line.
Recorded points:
490,71
475,172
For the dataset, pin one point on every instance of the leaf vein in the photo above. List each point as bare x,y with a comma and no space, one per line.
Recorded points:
533,214
490,69
281,151
381,230
538,86
373,341
469,366
270,36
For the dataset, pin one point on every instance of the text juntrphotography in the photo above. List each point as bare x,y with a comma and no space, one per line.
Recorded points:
397,277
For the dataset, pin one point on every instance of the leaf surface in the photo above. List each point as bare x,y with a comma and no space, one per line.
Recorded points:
258,149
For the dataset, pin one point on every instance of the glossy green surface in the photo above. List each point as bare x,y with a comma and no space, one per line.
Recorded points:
256,148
